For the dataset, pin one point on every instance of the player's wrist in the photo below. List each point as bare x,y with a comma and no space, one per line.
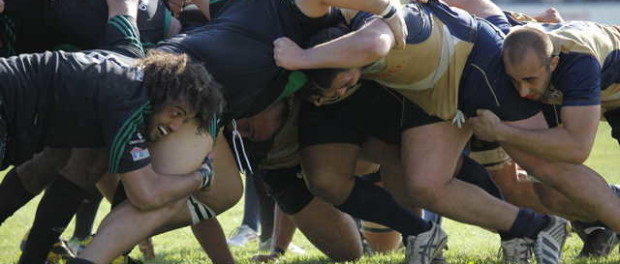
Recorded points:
389,11
502,132
206,173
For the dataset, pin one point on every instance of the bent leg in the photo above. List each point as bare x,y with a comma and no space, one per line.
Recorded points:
331,231
429,155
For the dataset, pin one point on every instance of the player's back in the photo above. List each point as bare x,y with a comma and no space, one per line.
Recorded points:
59,99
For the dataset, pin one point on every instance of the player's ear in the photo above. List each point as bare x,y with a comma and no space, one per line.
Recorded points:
553,63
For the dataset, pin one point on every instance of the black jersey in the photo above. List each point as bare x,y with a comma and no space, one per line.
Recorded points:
83,99
40,25
237,48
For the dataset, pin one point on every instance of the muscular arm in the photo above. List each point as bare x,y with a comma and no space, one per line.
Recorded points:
318,8
211,237
354,50
481,8
571,142
148,190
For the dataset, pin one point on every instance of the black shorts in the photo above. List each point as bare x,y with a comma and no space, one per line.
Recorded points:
287,188
372,111
613,118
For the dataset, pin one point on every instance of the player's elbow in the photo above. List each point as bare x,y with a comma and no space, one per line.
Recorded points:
375,46
579,154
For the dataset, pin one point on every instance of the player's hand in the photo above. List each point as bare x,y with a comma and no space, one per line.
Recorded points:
551,15
266,258
288,54
176,7
206,173
486,125
399,29
147,249
1,6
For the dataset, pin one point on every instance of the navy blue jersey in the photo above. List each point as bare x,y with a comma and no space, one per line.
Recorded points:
237,48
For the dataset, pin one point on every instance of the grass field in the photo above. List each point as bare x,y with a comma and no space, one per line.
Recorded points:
468,244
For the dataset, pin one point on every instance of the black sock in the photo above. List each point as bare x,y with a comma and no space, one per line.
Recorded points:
527,224
13,195
372,203
79,261
60,202
85,217
474,173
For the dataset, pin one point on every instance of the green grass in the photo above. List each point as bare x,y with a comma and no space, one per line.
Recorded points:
468,244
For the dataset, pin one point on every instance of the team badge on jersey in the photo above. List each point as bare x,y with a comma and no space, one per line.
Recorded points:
137,140
139,153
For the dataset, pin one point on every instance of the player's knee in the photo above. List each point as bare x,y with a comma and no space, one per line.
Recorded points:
422,195
325,189
351,253
550,173
230,199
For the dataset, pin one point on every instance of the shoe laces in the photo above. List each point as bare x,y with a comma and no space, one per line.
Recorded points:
517,250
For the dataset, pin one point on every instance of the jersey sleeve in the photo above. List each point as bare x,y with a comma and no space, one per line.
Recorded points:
578,76
417,21
124,129
501,22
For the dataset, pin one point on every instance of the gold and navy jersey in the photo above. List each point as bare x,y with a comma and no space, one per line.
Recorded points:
589,68
429,69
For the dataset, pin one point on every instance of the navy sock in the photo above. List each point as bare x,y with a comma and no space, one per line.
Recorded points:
60,202
372,203
13,195
527,224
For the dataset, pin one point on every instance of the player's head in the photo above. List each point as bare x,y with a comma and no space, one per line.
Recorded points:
179,90
529,60
264,125
328,85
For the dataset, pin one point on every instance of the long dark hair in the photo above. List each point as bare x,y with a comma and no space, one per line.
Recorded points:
172,78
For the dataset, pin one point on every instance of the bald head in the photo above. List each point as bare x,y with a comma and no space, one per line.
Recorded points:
525,40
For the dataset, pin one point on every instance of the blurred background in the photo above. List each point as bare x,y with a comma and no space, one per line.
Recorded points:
602,11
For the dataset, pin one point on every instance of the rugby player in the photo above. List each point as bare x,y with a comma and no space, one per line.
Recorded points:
465,74
571,68
115,110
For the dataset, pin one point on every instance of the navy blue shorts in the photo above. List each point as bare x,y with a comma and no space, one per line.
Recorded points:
613,118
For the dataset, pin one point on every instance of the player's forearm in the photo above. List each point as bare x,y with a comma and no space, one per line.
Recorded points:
354,50
211,237
554,144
